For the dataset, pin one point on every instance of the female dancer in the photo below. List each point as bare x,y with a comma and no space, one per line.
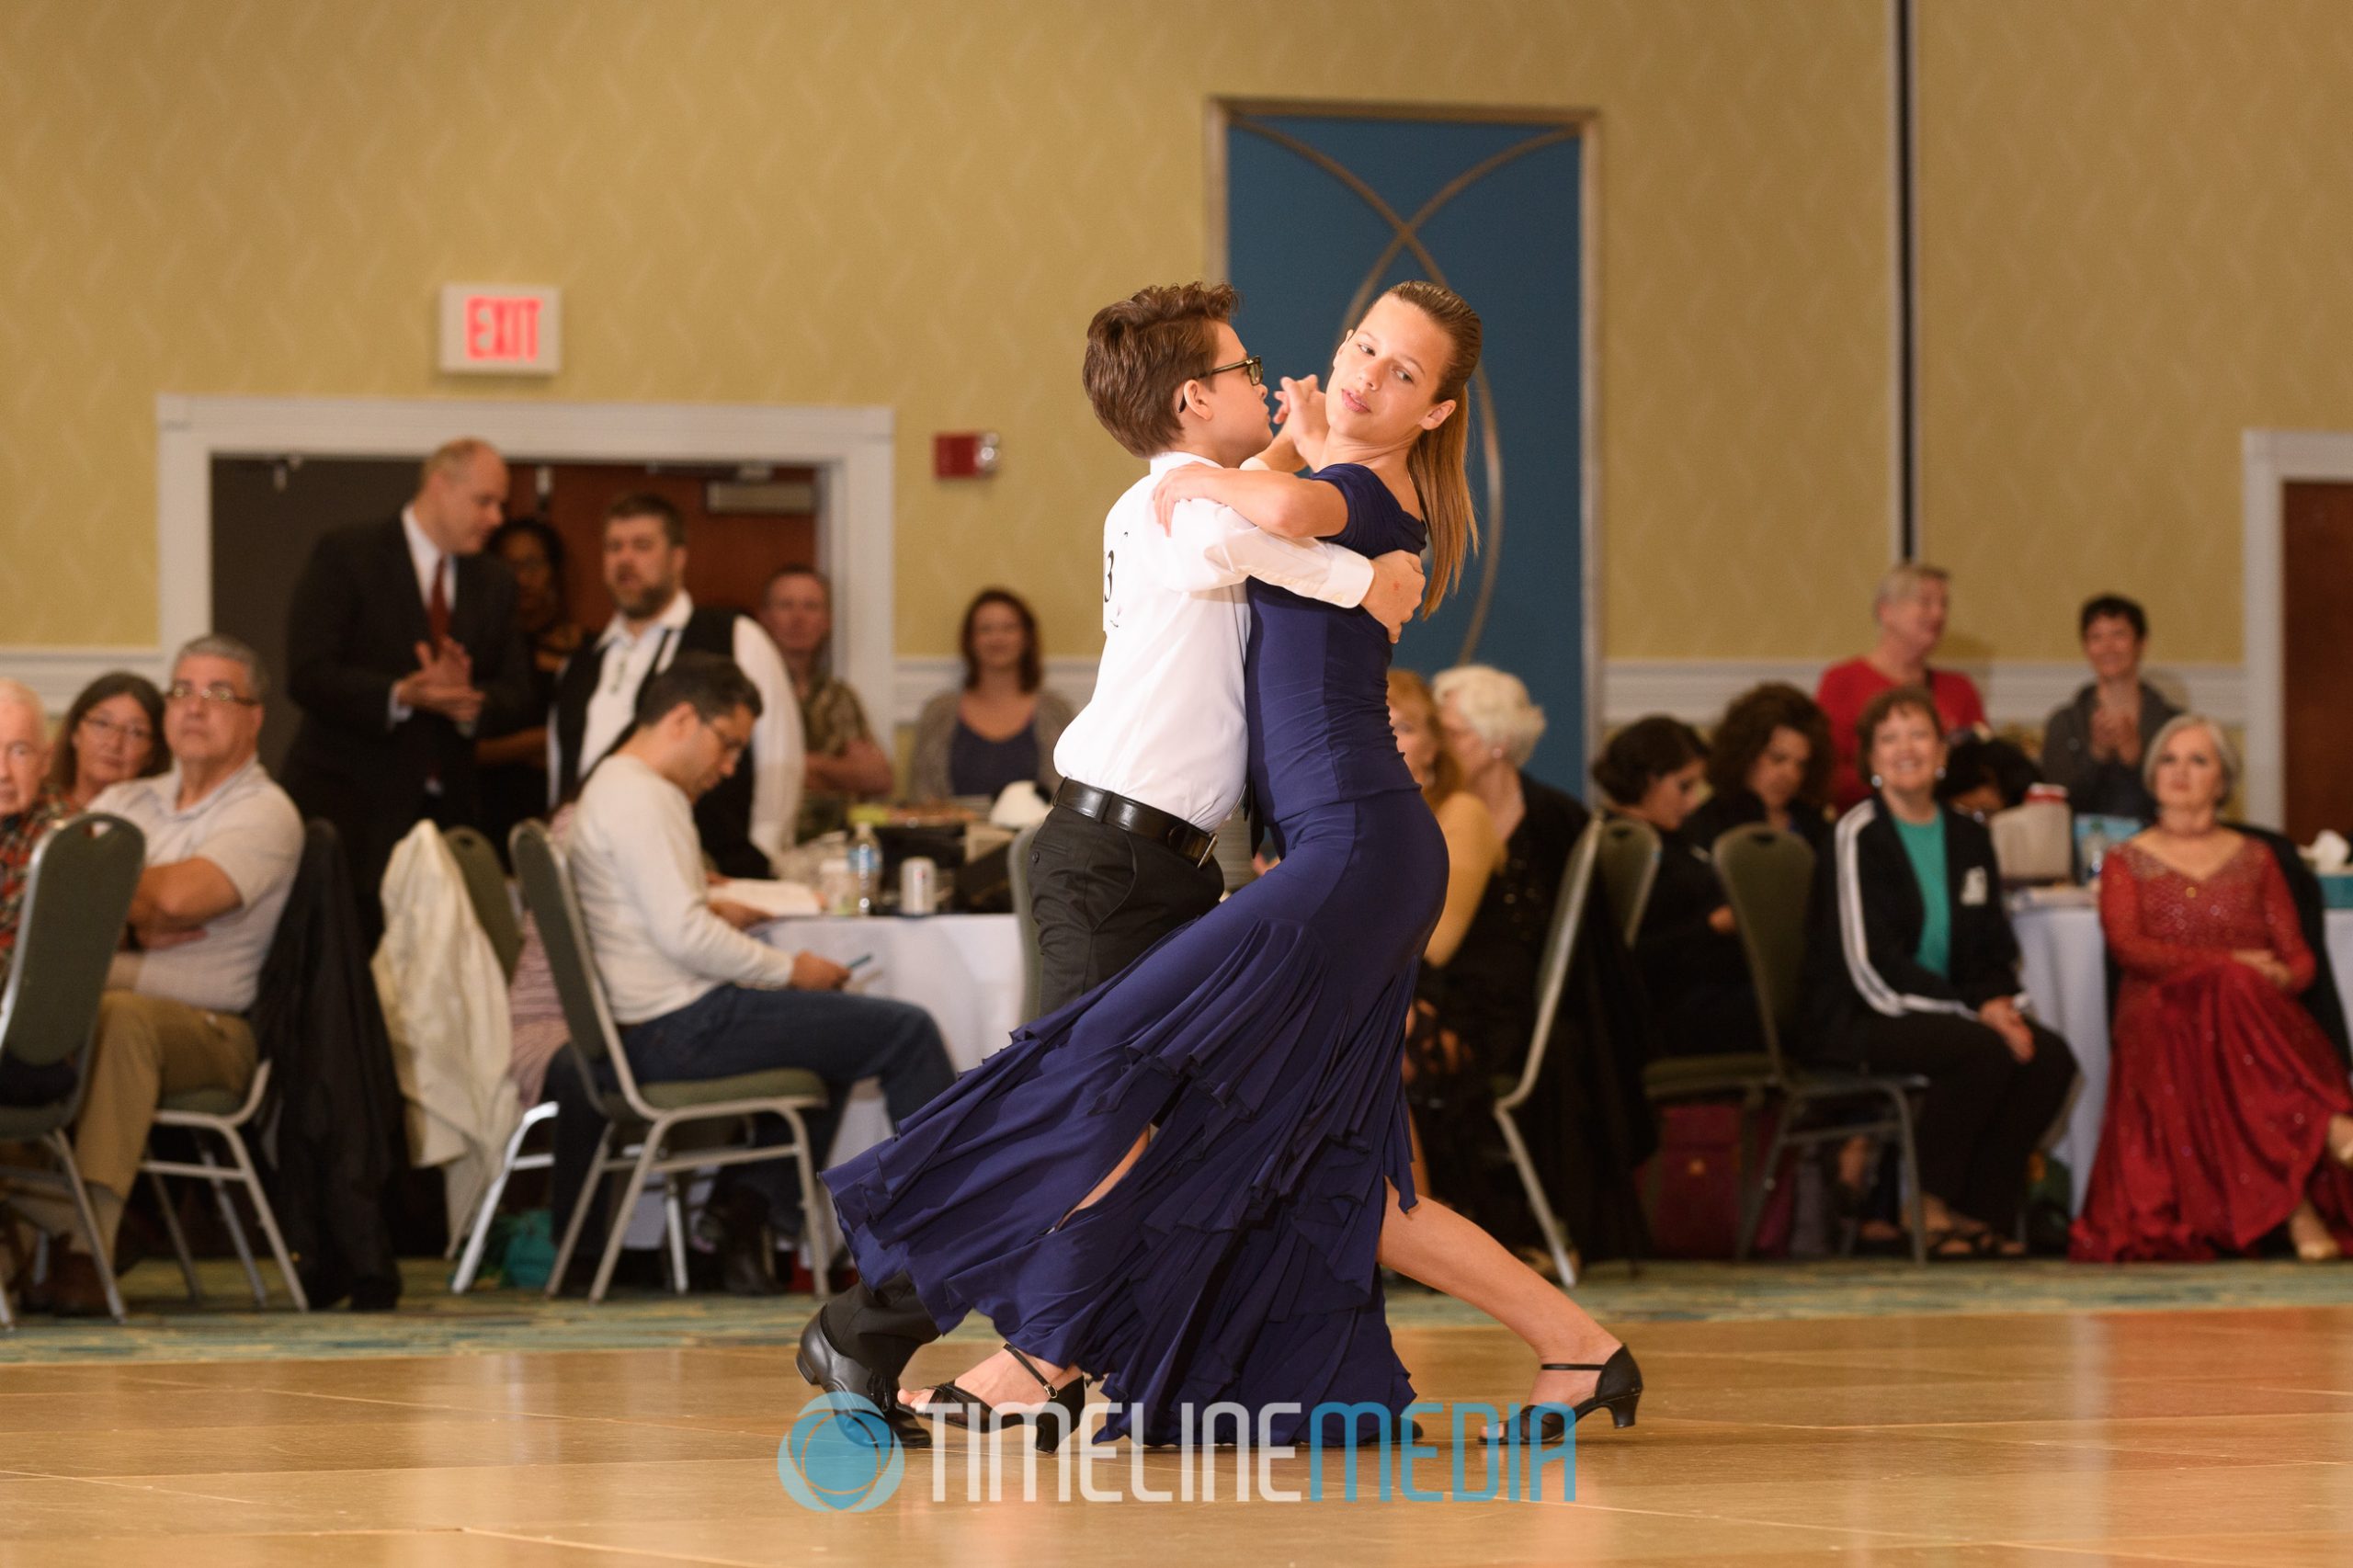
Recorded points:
1183,1181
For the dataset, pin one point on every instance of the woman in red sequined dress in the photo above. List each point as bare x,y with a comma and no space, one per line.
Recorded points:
2228,1113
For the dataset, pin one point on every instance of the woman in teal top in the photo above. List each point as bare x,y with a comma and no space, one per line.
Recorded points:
1911,967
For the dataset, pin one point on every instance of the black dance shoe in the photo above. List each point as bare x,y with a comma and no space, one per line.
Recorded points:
1064,1407
836,1371
1618,1389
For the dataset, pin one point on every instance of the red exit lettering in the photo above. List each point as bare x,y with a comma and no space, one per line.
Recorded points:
501,329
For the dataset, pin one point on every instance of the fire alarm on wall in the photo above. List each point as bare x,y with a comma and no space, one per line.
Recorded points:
965,455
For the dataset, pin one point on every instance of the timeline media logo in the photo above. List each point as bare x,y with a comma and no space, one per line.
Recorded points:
841,1456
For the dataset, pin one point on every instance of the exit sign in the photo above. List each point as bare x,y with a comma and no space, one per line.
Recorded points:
495,329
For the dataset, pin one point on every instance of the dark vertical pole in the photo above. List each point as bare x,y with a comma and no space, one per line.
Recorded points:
1907,298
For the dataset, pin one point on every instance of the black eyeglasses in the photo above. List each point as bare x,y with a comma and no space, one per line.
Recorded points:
1252,367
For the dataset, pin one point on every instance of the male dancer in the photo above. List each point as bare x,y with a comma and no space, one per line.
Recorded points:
1156,761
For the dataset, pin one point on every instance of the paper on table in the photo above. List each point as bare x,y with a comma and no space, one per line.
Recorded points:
772,899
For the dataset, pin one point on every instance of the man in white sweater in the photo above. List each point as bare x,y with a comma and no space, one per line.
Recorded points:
694,996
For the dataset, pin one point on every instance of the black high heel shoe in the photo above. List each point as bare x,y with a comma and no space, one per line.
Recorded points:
958,1407
1618,1389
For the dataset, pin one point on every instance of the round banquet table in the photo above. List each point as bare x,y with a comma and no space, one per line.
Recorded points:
965,970
2065,971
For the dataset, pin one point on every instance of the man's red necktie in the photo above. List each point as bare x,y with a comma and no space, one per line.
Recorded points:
437,605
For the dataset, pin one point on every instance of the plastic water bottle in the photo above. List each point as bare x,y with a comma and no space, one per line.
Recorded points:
2095,855
866,870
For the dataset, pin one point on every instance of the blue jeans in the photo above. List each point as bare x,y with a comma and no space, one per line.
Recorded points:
839,1038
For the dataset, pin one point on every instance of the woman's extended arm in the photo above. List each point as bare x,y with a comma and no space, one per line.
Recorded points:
1474,851
1281,504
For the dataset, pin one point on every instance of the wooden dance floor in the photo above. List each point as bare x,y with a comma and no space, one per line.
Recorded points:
2220,1436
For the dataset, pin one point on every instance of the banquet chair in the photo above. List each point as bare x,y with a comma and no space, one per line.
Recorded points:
647,1115
1551,981
1769,881
1025,919
486,891
222,1114
77,894
494,909
1629,855
473,1236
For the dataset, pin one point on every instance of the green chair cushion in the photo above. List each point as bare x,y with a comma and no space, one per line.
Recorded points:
778,1083
1674,1076
205,1102
30,1122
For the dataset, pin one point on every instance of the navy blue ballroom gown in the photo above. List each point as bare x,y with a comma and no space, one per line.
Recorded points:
1236,1260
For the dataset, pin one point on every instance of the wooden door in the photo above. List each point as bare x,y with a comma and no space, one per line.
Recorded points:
729,555
2316,617
268,513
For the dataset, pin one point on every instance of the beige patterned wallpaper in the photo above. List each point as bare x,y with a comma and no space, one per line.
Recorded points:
2137,237
916,203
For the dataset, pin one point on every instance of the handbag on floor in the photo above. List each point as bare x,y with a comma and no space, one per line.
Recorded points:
1695,1185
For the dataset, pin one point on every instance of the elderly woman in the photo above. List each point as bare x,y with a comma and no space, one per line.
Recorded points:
2228,1114
1911,967
1769,767
999,727
1484,990
1690,961
112,733
1911,608
2096,744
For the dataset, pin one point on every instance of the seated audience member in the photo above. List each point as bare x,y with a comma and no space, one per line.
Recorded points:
2094,744
113,732
514,767
1474,851
844,763
1983,776
1911,608
222,844
1001,726
29,808
694,996
1911,967
745,822
1485,991
1685,949
1588,1122
1769,766
2228,1113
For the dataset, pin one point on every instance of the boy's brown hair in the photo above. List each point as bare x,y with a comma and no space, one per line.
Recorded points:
1141,350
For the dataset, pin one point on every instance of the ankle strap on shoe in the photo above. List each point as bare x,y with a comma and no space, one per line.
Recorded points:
1032,1367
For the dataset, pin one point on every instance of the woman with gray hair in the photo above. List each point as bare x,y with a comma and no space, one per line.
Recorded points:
2228,1113
1911,606
1484,994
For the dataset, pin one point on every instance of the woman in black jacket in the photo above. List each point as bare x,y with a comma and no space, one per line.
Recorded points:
1911,967
1689,957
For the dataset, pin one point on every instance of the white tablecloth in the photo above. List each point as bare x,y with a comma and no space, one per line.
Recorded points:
965,970
2066,973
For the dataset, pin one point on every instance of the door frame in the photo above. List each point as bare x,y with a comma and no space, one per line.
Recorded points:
850,447
1587,123
2270,460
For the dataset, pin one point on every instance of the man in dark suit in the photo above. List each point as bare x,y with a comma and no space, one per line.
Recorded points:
402,650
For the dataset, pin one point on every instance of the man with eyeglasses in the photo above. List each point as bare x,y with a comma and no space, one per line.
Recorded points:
222,844
694,996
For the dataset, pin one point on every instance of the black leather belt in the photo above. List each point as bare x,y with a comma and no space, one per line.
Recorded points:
1134,816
